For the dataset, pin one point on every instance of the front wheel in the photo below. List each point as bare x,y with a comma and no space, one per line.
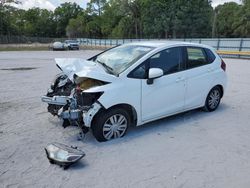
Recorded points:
213,99
111,124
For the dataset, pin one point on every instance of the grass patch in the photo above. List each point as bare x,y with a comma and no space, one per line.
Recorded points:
24,48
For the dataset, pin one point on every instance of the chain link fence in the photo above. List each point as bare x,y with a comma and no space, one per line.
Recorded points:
235,44
227,47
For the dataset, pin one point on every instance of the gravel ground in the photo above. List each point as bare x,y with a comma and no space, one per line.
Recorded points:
191,150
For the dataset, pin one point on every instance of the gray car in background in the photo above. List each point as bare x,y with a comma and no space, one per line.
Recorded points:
72,44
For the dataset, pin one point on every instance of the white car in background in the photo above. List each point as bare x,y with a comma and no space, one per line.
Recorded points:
136,83
58,46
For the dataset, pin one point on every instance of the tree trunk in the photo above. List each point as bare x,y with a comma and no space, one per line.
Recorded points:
214,25
166,34
136,29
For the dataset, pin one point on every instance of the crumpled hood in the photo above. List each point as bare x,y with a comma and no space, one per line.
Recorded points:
83,68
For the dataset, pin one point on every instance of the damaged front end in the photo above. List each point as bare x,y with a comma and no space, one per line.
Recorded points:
76,107
60,86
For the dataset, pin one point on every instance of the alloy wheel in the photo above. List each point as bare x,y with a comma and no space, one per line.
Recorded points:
214,99
115,126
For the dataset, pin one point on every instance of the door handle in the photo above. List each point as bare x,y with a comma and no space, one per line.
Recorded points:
180,79
210,69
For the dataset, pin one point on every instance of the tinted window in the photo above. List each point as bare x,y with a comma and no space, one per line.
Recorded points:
210,55
140,71
196,57
168,60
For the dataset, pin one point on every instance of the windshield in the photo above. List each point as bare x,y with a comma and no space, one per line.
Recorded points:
120,58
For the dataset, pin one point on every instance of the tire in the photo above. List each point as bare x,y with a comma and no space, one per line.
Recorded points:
110,124
213,99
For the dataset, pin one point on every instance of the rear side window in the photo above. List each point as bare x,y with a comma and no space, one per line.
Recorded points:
196,57
210,55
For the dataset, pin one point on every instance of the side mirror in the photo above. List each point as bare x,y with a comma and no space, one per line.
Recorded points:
153,74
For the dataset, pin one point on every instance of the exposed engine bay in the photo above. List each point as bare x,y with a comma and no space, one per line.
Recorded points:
68,100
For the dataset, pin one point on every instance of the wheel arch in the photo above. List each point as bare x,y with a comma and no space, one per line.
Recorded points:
129,108
222,90
206,106
215,85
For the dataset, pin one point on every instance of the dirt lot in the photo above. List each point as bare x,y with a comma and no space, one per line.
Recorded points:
191,150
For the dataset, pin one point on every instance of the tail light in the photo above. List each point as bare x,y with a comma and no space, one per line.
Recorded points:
223,65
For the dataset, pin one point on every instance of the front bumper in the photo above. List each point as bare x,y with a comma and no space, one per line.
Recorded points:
56,100
73,111
89,115
74,47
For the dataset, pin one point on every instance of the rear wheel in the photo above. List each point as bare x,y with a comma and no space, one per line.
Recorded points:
213,99
111,124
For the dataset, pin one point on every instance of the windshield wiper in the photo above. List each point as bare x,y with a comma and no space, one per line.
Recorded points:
110,69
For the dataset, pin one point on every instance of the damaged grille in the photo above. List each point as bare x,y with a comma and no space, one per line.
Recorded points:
85,100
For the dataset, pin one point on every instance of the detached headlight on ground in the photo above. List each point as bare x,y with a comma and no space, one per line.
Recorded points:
63,155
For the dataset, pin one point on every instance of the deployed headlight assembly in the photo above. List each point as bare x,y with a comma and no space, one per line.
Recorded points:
63,155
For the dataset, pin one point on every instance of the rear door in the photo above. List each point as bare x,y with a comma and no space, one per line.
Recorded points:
199,76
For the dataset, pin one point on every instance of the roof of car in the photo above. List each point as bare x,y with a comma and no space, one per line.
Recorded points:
164,43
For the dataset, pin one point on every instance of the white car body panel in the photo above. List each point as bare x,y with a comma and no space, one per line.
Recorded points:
119,93
83,68
168,95
196,90
165,96
200,81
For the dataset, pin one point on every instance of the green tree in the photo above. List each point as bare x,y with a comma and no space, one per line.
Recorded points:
194,18
39,22
96,6
110,18
7,2
63,14
77,27
180,18
227,17
7,26
156,18
126,18
242,24
129,19
94,27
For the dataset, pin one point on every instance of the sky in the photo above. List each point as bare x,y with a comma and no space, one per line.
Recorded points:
52,4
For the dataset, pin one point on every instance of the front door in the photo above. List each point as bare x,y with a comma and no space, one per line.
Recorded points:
166,95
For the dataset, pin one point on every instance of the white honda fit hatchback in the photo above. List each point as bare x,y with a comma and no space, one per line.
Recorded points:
136,83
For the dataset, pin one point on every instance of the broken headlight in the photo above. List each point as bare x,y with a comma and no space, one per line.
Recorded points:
63,155
59,80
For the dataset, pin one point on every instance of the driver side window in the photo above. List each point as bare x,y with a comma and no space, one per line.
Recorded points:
169,60
140,72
